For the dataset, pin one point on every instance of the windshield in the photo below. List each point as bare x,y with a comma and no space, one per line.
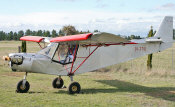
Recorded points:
49,50
65,54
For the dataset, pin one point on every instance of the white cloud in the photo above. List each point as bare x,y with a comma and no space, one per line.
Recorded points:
168,6
101,4
67,0
118,23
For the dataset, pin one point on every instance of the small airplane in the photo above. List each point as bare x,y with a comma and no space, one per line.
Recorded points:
76,54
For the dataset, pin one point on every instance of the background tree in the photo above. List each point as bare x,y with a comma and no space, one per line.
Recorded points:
47,34
11,35
20,34
15,36
149,61
23,47
28,32
34,33
69,30
61,33
132,36
54,33
96,31
174,34
81,32
39,33
2,35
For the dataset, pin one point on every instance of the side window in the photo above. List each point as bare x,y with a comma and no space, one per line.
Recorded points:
49,50
64,54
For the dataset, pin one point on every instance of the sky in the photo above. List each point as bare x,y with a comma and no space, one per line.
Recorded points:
124,17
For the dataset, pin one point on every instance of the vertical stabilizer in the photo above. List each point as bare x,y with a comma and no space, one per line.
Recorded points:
165,32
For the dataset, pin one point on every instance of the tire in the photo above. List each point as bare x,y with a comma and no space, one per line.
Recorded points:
20,88
58,83
13,69
74,87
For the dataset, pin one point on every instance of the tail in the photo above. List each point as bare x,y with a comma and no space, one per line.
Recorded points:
165,32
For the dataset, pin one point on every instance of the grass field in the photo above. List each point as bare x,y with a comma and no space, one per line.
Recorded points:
124,85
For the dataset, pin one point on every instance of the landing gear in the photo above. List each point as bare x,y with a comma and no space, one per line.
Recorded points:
74,87
58,82
23,86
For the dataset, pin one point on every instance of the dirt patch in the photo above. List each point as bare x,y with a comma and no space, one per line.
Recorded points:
102,75
167,95
13,74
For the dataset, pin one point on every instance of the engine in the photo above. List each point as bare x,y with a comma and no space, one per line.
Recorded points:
16,59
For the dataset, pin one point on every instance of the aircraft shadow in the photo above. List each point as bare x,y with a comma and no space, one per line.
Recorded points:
123,86
32,92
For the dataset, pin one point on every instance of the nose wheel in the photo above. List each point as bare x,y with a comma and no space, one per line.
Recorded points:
23,86
58,82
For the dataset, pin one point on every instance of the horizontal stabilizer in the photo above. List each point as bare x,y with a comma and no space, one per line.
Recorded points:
153,40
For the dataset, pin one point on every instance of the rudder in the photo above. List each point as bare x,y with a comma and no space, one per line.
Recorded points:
165,32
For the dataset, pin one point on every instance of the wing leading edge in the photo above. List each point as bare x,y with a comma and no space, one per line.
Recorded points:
84,39
35,39
79,37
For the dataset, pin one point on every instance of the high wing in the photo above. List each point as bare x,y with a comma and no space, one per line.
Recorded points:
91,38
36,39
106,38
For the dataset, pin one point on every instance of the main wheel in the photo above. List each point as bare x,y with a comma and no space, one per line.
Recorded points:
58,83
21,88
74,87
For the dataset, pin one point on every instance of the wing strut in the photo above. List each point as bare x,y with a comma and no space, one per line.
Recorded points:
40,45
72,72
73,60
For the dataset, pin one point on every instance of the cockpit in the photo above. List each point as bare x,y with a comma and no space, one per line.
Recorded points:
60,53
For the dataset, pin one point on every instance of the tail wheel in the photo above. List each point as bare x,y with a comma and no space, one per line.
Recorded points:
23,86
58,83
74,87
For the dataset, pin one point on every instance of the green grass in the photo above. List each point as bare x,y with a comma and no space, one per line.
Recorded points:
127,84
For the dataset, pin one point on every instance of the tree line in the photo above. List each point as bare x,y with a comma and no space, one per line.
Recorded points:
132,37
66,30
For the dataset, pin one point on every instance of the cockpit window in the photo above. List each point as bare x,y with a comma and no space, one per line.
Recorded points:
49,50
64,54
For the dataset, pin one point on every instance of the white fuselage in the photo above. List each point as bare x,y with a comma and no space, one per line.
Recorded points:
102,57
